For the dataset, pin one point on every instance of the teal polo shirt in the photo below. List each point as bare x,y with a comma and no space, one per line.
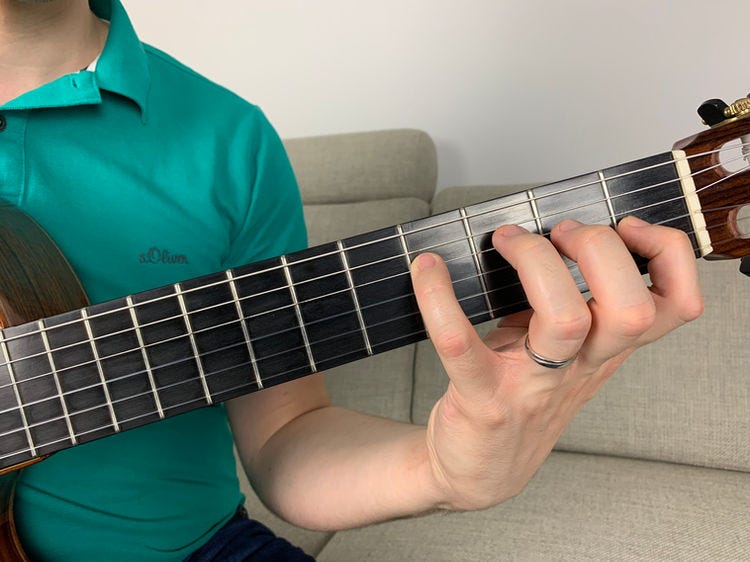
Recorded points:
145,174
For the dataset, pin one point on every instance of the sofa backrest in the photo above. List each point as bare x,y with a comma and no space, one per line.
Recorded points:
684,399
356,183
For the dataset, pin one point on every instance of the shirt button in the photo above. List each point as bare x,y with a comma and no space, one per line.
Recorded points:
3,122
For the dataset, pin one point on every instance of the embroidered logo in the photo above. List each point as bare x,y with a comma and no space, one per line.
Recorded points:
156,256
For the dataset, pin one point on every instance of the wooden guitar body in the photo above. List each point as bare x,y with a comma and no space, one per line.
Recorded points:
36,281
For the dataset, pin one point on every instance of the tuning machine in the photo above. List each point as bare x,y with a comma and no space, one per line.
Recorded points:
717,112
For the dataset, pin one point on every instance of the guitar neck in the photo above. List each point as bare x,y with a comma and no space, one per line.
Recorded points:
93,372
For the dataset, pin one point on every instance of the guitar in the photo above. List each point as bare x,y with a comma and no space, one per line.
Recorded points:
71,373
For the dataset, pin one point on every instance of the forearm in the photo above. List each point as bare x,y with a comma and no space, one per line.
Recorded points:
333,468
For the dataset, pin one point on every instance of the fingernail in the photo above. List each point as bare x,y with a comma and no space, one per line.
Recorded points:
635,221
425,261
511,230
568,224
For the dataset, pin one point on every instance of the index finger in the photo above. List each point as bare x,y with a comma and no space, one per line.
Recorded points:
461,350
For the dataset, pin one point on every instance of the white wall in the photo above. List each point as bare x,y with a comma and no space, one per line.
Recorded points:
511,90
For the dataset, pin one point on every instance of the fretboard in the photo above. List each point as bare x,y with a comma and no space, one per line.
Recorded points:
93,372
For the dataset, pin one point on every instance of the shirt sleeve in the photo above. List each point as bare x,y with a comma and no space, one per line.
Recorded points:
274,221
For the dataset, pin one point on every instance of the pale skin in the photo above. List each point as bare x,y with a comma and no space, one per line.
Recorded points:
324,467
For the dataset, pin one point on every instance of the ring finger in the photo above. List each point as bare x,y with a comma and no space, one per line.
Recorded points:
561,318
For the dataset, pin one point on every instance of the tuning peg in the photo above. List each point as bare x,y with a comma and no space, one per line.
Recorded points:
745,265
712,112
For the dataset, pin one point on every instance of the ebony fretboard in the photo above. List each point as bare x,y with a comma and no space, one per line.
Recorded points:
97,371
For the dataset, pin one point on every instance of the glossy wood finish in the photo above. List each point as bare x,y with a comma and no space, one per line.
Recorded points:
10,546
29,289
720,192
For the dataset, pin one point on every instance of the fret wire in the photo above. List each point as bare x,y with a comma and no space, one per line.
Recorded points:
355,298
631,211
484,251
624,174
391,277
100,369
298,313
51,360
404,247
282,374
276,334
245,331
12,376
196,400
193,344
534,210
144,355
179,383
605,189
477,264
676,198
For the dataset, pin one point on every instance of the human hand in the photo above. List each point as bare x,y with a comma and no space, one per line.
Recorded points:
503,412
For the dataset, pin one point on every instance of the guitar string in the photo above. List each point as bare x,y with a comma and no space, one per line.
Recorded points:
631,211
265,312
411,233
433,226
202,399
272,311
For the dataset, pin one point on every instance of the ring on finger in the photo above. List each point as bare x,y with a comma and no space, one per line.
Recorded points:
544,361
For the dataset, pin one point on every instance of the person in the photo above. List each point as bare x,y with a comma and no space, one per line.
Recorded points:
117,149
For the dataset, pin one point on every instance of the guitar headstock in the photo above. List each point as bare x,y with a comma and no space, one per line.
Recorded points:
719,162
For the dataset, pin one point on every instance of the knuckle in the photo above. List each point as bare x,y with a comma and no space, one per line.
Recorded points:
598,234
691,308
572,326
534,246
432,290
635,320
452,343
677,237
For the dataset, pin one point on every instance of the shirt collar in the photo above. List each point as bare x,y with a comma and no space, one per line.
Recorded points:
122,68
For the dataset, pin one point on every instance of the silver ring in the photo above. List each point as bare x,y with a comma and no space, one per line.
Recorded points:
543,361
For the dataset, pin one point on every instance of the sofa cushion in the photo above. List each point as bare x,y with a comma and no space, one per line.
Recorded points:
364,166
578,507
334,221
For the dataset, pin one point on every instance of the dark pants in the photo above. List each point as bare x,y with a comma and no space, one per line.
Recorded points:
246,540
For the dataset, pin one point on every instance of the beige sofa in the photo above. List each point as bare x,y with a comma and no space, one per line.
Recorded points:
656,467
